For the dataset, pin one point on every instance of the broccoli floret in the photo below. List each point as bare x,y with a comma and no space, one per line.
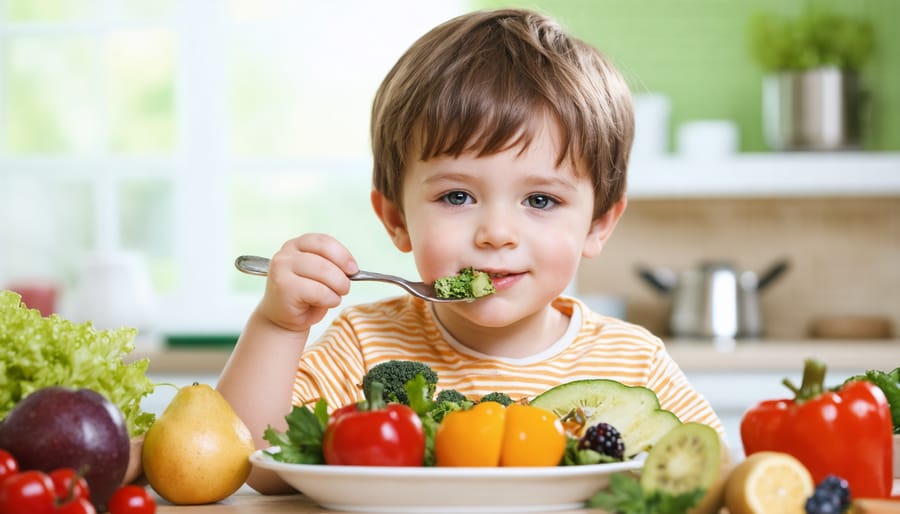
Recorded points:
394,375
469,283
442,409
450,395
501,398
447,401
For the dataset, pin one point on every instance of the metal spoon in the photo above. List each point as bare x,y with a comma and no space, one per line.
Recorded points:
255,265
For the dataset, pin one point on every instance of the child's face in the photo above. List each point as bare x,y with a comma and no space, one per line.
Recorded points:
514,214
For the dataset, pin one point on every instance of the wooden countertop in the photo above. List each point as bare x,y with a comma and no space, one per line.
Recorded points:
252,503
246,501
692,356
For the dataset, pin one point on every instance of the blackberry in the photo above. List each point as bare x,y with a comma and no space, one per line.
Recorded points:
603,438
831,496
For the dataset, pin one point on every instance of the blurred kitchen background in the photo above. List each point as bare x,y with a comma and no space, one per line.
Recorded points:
144,144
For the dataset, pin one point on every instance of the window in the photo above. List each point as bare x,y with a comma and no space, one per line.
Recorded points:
189,132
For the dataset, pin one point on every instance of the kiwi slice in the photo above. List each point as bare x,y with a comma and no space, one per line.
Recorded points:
633,410
684,460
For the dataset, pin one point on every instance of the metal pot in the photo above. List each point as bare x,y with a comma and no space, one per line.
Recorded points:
818,109
714,300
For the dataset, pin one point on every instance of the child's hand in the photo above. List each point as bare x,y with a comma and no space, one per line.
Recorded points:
307,276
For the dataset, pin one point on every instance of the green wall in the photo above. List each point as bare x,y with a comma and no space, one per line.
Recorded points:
696,52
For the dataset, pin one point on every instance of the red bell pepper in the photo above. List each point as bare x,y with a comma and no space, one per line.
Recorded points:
847,432
373,433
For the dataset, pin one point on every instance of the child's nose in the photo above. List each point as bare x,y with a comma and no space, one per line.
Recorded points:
496,231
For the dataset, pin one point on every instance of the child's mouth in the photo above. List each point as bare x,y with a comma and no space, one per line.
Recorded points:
504,280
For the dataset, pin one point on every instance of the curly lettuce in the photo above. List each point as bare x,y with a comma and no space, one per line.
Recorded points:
37,352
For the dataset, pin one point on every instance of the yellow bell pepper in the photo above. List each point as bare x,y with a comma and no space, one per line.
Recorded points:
532,437
489,434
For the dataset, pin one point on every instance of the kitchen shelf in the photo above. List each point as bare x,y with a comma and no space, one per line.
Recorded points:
759,175
784,356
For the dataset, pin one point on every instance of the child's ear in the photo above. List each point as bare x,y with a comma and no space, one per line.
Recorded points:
602,228
392,219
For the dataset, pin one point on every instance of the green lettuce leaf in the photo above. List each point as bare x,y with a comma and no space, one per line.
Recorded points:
38,352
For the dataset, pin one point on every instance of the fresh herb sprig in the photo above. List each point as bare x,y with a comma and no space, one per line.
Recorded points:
626,496
301,443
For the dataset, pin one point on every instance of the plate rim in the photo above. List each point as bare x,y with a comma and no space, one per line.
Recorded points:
260,458
575,497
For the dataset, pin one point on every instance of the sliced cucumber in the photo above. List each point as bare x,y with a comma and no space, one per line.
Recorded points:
633,410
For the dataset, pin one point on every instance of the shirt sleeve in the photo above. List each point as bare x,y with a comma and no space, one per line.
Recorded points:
676,394
331,368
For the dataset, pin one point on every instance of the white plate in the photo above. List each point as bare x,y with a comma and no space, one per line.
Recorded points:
444,489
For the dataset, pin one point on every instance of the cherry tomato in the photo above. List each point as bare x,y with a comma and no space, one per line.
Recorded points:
28,492
8,465
69,485
76,506
131,499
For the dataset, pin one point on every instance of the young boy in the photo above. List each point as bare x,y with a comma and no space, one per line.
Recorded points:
499,143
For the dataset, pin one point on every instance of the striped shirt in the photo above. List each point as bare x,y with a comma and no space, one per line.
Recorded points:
405,328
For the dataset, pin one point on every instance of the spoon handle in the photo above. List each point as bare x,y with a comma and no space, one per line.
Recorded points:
252,265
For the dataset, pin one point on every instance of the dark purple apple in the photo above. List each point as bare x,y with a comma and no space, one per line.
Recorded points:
59,427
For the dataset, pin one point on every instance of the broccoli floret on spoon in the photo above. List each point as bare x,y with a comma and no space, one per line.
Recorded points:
468,283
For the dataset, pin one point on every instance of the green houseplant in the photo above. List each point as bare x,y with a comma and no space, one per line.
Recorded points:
812,96
809,41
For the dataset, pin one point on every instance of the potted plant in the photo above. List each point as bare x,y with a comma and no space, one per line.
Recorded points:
812,96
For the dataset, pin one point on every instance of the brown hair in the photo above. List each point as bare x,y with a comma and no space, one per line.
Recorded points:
473,83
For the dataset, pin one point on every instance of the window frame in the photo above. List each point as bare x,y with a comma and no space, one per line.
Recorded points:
199,166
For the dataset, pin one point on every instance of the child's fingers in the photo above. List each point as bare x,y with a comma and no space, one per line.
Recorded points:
326,247
301,289
307,276
316,277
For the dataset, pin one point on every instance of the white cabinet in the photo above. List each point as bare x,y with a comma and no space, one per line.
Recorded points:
731,394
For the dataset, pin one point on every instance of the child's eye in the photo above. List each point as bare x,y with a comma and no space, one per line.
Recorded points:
457,198
539,201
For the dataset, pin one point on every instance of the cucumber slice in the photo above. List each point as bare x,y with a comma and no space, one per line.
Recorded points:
633,410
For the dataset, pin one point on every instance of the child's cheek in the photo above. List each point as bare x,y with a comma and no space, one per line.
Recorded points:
437,256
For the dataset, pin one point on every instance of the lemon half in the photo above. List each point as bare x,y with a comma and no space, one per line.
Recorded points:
769,482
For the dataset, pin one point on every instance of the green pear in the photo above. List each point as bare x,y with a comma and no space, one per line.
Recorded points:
198,449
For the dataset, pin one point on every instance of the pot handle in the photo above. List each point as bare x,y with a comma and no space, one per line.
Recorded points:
772,273
652,278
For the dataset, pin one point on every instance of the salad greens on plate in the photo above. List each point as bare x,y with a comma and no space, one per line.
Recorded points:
38,352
